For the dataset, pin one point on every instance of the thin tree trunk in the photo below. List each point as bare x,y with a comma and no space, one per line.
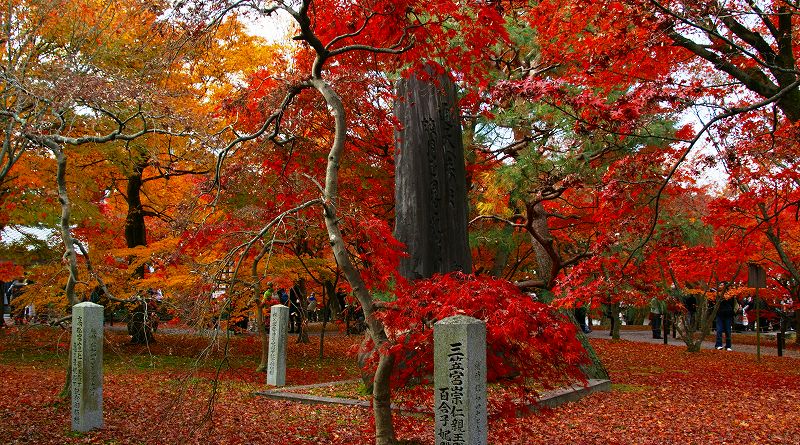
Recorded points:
381,400
2,302
66,232
302,337
261,305
262,333
69,246
328,295
797,325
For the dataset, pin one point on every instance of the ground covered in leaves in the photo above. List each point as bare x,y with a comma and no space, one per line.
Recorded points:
193,389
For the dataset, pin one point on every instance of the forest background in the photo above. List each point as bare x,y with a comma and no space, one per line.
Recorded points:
169,148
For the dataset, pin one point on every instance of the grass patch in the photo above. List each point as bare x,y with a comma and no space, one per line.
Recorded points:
624,387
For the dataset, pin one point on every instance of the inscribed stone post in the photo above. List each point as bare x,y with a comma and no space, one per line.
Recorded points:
87,366
276,358
430,178
459,378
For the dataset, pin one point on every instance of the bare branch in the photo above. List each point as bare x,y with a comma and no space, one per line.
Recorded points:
496,218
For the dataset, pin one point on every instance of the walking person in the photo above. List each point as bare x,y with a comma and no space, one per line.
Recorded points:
657,310
580,317
690,303
312,307
724,321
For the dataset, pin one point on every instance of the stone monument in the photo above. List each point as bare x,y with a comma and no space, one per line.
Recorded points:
276,358
459,380
87,366
430,178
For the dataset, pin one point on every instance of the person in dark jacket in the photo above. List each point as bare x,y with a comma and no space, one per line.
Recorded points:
690,302
724,321
295,317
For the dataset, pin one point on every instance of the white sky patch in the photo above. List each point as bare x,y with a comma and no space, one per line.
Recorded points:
12,234
713,177
277,28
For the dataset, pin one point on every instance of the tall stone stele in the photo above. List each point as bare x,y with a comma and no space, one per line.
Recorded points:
87,366
276,354
430,178
459,380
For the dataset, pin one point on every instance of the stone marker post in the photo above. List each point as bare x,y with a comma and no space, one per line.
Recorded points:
87,366
459,378
276,359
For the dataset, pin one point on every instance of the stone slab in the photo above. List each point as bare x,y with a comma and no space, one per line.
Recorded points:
459,381
551,399
431,208
87,366
276,354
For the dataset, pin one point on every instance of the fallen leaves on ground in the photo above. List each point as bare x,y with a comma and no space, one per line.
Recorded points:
661,395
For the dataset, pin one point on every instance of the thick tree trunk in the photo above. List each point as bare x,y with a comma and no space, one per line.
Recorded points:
548,260
135,228
136,235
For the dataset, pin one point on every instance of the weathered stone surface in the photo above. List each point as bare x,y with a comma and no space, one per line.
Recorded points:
459,379
87,366
276,358
430,179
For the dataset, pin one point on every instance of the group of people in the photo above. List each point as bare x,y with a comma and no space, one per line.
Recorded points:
311,310
9,291
292,299
731,313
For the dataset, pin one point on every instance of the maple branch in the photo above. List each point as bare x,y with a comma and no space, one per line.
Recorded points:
765,19
712,33
760,85
527,284
91,270
312,179
730,113
496,218
395,48
275,221
308,35
577,258
274,119
175,173
352,34
11,151
117,134
217,19
754,39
